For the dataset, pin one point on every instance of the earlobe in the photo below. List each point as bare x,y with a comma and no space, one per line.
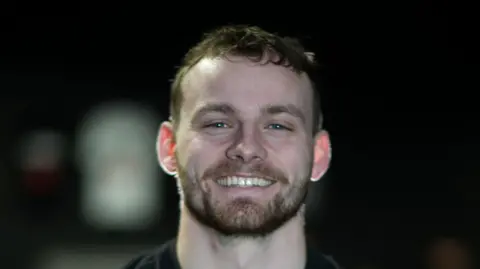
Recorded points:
166,149
322,154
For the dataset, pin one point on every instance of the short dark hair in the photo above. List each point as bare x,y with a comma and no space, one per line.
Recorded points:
253,43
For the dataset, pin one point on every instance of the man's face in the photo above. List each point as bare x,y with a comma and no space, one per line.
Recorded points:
449,254
244,144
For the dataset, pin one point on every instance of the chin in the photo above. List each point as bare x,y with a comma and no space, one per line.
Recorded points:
245,218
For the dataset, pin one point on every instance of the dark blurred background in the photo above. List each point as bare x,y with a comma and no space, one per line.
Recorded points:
84,94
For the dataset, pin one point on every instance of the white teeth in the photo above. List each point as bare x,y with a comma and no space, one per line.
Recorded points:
244,182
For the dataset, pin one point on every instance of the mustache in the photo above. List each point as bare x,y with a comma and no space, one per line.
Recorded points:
229,168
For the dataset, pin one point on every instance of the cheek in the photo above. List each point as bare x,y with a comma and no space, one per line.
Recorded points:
290,153
296,165
200,155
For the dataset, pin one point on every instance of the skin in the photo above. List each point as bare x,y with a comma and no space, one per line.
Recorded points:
243,119
449,254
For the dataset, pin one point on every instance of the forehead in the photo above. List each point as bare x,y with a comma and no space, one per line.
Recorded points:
243,83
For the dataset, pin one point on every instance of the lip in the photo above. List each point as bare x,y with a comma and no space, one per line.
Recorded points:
246,175
260,193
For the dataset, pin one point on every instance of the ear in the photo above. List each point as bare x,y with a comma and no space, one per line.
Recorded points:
166,149
322,153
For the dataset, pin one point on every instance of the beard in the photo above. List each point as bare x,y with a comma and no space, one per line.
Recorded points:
242,217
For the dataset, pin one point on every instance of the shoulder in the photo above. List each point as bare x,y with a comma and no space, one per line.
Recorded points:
140,262
330,263
322,262
160,258
317,260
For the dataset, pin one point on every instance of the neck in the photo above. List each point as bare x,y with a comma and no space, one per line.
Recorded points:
199,247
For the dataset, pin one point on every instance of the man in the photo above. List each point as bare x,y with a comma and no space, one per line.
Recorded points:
449,252
244,141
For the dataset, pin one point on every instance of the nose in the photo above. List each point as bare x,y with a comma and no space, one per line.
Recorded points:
247,147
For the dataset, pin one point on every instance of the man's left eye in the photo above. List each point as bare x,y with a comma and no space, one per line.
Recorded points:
277,126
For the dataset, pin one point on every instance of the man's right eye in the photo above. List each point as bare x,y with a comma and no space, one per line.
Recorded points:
217,125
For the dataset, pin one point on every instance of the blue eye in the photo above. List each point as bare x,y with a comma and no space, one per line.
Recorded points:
276,126
217,125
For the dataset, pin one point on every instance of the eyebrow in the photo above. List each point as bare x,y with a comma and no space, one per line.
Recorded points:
289,109
219,108
269,110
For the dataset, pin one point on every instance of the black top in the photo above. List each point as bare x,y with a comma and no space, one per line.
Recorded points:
166,258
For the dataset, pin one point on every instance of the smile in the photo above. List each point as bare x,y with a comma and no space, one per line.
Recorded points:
244,182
